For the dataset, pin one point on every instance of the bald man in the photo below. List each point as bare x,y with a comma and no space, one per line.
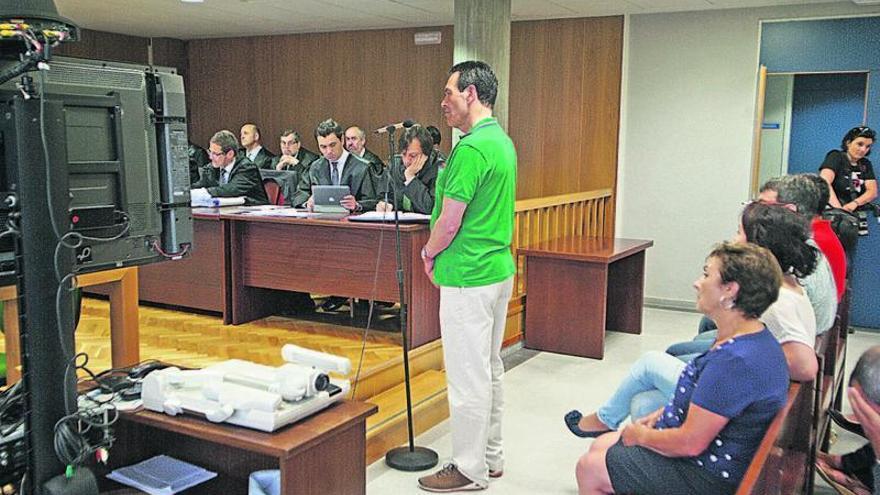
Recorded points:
252,142
356,144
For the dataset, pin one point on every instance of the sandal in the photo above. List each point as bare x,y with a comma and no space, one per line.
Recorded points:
847,486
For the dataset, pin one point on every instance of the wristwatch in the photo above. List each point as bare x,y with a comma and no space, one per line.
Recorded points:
425,254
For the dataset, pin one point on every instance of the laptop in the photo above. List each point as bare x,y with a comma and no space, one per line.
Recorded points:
327,198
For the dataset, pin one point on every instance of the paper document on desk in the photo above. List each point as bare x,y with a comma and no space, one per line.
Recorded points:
279,212
200,197
161,475
388,216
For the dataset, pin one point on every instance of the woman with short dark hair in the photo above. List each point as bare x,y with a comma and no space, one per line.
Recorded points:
704,439
849,172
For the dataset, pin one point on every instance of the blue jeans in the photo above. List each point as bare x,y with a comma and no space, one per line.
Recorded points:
655,370
692,348
706,324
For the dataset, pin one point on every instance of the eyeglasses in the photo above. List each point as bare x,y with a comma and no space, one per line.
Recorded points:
221,153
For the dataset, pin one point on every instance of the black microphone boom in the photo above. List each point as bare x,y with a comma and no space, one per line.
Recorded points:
406,124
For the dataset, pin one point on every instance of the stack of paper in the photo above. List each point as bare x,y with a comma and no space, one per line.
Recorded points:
161,475
200,197
388,216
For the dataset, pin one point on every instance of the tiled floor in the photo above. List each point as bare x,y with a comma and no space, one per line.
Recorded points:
539,390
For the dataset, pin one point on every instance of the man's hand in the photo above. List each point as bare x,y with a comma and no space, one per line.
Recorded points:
415,167
428,261
285,161
851,206
310,203
429,270
349,202
384,207
867,415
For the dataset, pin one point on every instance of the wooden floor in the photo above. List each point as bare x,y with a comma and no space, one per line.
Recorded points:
196,341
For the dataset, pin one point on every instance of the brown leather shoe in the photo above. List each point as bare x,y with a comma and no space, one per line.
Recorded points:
447,480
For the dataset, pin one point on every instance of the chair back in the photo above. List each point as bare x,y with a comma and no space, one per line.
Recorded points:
273,191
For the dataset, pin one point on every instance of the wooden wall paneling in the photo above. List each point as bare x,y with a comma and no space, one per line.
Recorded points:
368,78
600,105
565,104
526,105
170,52
100,45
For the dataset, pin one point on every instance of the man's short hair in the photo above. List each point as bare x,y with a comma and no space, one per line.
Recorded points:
435,134
770,185
419,133
360,132
824,191
867,374
226,140
801,192
288,132
327,128
481,76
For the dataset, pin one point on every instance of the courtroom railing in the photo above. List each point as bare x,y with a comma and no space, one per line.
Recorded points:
541,219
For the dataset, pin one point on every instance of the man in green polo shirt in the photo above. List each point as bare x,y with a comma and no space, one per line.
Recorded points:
468,256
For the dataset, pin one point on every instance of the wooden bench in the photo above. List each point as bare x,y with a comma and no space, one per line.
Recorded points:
785,460
780,463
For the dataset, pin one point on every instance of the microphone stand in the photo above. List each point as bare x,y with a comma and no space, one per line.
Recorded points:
410,457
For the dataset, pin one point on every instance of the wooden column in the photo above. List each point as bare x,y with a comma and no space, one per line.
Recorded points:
482,32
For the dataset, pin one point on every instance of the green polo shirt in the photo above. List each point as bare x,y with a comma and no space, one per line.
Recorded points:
481,171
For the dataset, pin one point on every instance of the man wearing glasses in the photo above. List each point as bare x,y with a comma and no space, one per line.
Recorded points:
230,175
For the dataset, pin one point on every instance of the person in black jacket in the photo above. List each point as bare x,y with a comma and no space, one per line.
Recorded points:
411,175
252,144
337,167
356,144
229,174
198,158
293,155
849,172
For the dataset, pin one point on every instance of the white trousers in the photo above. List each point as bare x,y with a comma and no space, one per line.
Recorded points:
472,326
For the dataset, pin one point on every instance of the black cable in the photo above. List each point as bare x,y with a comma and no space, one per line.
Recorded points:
71,443
370,315
46,164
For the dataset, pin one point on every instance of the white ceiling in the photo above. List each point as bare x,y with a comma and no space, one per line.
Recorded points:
229,18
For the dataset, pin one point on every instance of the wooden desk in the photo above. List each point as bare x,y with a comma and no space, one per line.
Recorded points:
328,257
579,287
199,280
122,287
325,453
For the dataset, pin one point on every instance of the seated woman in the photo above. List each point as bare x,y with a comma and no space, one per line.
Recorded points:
703,440
849,172
790,320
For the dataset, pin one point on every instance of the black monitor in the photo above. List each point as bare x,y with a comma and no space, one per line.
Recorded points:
120,129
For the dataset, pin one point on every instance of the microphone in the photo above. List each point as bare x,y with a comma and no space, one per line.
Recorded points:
393,127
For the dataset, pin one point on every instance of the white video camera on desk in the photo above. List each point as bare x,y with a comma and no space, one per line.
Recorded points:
249,394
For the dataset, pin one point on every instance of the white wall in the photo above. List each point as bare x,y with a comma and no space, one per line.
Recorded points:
686,134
